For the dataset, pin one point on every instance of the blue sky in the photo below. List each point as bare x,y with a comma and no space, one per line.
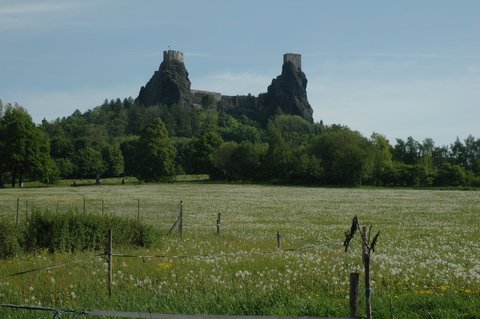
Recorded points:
400,68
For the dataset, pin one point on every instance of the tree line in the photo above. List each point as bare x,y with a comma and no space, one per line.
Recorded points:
121,138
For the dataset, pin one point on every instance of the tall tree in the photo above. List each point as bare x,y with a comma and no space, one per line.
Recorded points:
25,148
113,160
155,154
382,158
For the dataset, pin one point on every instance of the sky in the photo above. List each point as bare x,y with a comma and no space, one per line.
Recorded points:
399,68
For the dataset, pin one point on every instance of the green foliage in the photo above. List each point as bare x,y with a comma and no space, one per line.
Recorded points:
10,239
69,232
104,141
204,150
65,167
240,161
113,161
88,162
25,148
451,175
295,130
382,159
345,156
279,157
155,154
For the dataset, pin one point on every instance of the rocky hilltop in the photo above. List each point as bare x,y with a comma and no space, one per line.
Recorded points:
169,85
287,93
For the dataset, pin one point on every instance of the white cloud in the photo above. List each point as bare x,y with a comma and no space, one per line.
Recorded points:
15,15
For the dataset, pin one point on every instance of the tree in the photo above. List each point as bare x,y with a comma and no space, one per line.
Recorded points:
204,150
25,148
279,157
155,154
345,156
407,152
240,161
382,158
88,163
295,129
113,160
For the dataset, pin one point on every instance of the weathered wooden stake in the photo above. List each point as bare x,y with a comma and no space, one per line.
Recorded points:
180,225
354,283
138,209
110,260
218,223
279,243
366,265
18,210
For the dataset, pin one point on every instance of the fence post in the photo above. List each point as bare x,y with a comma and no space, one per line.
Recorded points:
366,265
279,243
18,210
110,260
138,209
180,225
354,283
218,223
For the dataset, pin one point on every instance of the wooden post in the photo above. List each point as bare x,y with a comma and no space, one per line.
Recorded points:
18,210
110,260
279,243
138,209
366,265
180,225
218,223
354,283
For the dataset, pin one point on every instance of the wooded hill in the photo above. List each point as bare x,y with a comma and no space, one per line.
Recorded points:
156,142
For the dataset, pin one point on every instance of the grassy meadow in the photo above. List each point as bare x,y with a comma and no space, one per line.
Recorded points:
426,264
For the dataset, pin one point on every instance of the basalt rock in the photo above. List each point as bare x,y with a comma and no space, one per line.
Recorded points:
169,85
288,91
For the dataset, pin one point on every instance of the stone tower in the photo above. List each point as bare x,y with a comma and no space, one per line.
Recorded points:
294,58
172,55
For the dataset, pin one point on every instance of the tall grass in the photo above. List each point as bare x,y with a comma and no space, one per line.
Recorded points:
426,264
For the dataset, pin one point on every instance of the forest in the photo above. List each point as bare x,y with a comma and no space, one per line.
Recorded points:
155,143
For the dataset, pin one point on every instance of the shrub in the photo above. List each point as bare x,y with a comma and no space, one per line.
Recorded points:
71,232
10,238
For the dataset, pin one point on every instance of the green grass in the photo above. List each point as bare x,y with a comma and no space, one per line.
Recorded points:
426,265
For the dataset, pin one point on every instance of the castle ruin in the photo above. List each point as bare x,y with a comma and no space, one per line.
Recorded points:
287,92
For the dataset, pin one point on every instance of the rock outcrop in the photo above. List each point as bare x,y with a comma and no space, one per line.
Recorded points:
169,85
288,92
